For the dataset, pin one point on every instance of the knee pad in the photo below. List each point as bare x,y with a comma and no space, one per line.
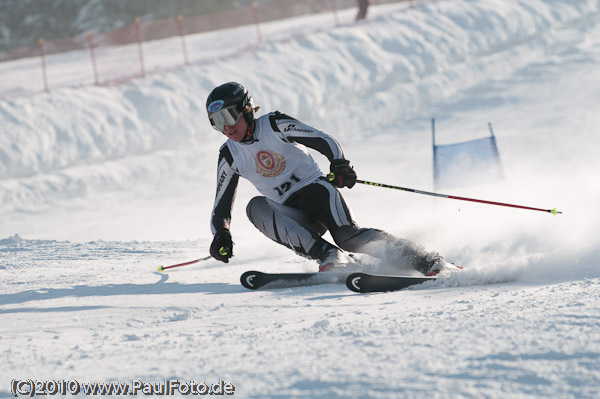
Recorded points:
256,208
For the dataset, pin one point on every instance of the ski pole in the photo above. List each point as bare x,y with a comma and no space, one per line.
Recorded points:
162,268
369,183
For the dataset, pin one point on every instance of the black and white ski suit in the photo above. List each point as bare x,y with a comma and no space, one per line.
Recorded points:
298,205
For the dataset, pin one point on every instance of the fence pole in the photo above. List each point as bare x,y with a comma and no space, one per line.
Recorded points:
256,22
186,60
335,13
138,35
43,59
90,38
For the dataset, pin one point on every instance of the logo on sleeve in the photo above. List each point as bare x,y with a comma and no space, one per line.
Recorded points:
292,128
269,163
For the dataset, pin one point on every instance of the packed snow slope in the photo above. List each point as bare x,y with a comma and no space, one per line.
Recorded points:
101,185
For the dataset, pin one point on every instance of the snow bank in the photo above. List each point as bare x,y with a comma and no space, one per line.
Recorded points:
403,62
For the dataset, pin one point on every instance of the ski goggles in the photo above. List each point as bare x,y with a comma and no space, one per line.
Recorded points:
225,116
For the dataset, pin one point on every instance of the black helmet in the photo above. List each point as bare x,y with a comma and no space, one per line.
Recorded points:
227,103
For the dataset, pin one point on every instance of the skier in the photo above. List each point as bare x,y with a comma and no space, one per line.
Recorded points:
298,203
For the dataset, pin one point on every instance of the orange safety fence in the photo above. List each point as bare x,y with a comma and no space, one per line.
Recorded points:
135,50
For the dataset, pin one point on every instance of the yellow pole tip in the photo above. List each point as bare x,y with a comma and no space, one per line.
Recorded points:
161,269
554,211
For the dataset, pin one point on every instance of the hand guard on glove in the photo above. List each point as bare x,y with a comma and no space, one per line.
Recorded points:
342,174
222,246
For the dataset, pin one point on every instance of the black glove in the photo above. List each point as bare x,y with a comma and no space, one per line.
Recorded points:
222,246
342,174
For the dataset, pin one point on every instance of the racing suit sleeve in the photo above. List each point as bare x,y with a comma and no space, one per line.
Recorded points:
291,129
227,181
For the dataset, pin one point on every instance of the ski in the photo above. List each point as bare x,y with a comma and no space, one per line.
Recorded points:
364,282
254,280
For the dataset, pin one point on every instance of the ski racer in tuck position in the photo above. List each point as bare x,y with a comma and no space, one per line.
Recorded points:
299,203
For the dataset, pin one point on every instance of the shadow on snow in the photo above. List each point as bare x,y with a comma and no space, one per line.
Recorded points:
81,291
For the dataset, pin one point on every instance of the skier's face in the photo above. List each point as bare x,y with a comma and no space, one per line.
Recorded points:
236,132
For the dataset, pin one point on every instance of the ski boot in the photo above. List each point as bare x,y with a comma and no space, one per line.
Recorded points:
434,264
335,260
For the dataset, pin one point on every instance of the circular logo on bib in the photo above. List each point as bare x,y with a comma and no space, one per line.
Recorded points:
269,164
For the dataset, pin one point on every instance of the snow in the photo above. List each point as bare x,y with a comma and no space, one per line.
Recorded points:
101,185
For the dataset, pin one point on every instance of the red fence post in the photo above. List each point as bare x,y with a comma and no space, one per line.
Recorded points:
256,23
93,56
335,13
43,58
182,35
138,35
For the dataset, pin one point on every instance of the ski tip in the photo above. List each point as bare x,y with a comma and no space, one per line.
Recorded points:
367,283
247,279
353,282
161,269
